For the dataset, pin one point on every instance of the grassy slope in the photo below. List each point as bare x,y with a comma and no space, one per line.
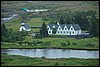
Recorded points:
36,22
54,42
13,60
59,6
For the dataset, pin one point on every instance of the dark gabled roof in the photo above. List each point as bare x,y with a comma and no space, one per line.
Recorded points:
62,26
26,26
51,26
69,25
75,26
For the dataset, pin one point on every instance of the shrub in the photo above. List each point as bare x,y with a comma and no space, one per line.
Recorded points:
34,42
45,43
56,64
38,35
90,45
63,44
38,42
68,43
74,43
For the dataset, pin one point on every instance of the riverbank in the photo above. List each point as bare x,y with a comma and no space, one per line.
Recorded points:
16,60
54,43
90,49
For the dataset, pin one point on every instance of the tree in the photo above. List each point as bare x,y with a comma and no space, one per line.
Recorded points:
3,29
94,31
43,30
62,21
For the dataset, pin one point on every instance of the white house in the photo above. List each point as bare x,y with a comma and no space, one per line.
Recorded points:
24,27
64,29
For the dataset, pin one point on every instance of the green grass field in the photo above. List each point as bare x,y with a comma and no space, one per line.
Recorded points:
54,42
16,60
15,23
36,22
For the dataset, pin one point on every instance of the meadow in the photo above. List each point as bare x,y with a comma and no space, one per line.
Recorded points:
54,42
16,60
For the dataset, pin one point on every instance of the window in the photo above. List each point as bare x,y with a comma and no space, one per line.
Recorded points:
67,32
49,31
64,31
59,28
61,31
71,28
65,28
73,32
58,31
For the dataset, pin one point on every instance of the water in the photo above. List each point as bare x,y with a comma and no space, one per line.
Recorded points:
52,53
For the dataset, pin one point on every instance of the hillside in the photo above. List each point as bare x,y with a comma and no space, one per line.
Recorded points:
56,8
10,7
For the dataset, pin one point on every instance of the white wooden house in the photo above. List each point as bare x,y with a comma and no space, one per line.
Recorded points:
64,29
24,27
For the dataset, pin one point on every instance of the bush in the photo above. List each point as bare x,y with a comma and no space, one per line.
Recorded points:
63,44
45,43
38,35
90,45
34,42
56,64
68,43
38,42
74,43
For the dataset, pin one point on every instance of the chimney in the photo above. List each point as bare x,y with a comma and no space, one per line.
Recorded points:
57,23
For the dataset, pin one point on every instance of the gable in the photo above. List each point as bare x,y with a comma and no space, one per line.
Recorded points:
76,27
71,27
63,26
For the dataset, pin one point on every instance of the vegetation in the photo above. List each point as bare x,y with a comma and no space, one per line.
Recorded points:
86,14
8,35
44,31
54,42
86,19
16,60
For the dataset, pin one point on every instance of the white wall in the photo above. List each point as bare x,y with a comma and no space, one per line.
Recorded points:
67,32
22,28
28,29
49,30
79,32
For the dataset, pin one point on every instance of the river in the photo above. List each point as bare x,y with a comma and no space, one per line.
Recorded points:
52,53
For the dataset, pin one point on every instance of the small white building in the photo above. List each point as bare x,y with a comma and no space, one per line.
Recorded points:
64,29
24,27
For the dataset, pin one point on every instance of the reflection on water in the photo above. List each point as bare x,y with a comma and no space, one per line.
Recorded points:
52,53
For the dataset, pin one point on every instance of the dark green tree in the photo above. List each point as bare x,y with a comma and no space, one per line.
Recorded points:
43,30
94,31
62,21
3,30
